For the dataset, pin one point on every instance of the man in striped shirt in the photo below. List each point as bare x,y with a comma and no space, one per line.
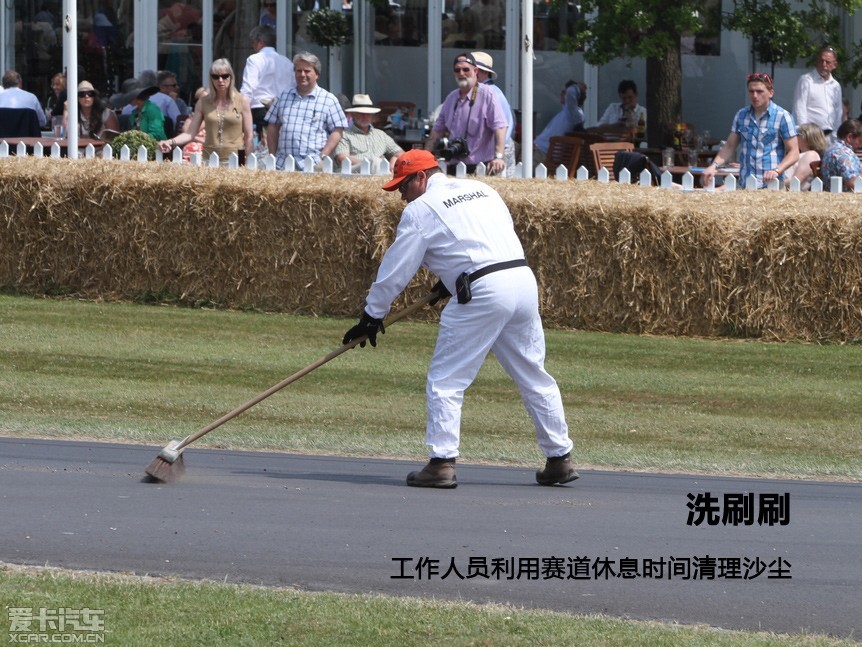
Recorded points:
306,120
765,134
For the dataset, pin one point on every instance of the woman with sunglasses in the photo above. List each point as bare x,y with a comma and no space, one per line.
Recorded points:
94,117
226,114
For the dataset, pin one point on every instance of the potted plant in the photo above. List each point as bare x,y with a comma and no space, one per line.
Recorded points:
134,139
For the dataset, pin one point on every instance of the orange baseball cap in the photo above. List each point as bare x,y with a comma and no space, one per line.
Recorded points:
411,162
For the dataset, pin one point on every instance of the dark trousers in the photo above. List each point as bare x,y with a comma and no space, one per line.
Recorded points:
257,118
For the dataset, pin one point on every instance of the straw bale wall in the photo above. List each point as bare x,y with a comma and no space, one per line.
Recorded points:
763,264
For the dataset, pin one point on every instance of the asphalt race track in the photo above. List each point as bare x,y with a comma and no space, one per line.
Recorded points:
351,525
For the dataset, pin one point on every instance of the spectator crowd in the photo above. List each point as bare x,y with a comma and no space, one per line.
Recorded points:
278,107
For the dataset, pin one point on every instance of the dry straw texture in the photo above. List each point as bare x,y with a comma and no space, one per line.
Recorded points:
608,257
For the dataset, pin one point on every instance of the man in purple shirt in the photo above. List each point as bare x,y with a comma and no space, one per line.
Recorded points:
472,113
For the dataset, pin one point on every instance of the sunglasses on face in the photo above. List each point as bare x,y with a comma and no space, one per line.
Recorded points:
88,93
223,77
402,188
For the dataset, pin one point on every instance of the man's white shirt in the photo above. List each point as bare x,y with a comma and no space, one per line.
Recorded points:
817,101
267,74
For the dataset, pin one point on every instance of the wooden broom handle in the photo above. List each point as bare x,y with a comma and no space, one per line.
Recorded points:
391,319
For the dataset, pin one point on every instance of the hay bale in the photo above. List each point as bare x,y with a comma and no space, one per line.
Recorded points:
607,257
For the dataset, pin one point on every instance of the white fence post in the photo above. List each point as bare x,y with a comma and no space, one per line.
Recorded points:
604,176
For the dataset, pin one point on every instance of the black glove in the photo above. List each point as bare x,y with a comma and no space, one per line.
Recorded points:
441,291
367,326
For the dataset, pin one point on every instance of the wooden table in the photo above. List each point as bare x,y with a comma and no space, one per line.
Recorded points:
49,141
697,171
408,143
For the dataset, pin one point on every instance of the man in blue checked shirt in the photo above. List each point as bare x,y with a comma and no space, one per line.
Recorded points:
305,120
765,134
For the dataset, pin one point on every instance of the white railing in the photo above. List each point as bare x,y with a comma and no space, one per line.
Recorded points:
381,167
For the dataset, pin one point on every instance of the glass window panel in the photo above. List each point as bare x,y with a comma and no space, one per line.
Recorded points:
180,27
104,44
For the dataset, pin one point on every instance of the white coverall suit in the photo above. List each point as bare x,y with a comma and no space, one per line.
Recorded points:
458,226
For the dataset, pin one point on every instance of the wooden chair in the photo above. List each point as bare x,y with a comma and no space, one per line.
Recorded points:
19,122
605,152
566,151
586,158
815,168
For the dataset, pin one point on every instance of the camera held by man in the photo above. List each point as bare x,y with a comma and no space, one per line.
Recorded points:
452,150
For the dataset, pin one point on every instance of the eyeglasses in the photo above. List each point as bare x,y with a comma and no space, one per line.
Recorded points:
463,70
402,188
223,77
760,77
88,93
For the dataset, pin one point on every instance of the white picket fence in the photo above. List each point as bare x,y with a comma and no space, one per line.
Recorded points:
381,167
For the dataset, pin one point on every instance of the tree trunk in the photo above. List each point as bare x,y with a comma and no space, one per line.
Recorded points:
664,95
247,16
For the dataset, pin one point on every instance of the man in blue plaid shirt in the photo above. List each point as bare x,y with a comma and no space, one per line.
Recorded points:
305,120
765,134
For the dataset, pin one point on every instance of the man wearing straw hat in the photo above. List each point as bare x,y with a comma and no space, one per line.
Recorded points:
462,231
362,140
486,75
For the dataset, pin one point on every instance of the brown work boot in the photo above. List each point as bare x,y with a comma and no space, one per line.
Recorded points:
439,472
558,469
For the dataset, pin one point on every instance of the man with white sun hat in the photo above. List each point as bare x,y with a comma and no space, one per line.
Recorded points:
362,140
486,75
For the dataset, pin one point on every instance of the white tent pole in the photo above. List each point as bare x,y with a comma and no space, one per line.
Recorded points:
527,87
70,45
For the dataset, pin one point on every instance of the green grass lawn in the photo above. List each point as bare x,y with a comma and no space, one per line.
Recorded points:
145,612
125,372
147,374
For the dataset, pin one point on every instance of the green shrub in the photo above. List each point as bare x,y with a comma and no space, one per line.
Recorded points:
134,139
328,28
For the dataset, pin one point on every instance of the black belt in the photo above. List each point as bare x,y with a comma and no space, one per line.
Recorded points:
496,267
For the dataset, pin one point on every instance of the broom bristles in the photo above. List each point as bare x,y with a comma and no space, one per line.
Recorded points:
164,471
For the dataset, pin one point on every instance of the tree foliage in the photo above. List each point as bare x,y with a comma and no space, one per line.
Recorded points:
649,29
785,32
633,28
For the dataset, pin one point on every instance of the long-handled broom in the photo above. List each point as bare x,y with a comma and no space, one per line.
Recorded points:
169,466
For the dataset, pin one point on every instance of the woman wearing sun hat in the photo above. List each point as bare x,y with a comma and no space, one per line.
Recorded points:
362,140
94,117
146,115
